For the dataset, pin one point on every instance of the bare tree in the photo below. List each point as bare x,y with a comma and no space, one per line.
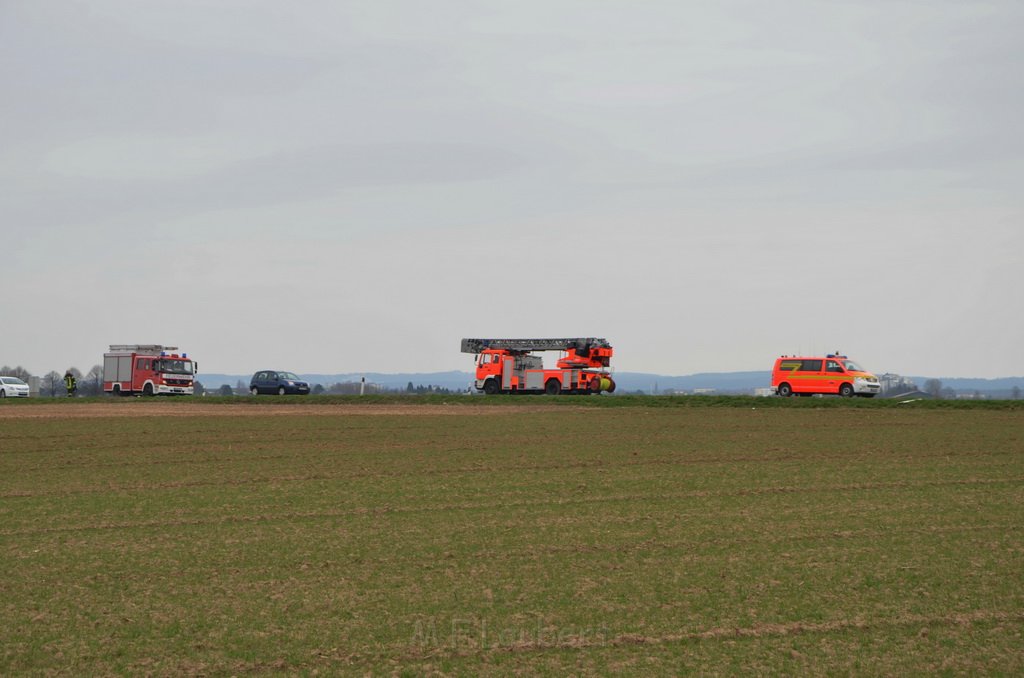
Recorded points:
52,384
19,372
92,383
933,387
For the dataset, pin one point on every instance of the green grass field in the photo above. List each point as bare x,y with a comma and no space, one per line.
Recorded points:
798,538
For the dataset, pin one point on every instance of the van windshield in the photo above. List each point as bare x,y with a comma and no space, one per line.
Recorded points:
852,366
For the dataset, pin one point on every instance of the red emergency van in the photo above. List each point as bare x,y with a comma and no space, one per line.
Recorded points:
832,374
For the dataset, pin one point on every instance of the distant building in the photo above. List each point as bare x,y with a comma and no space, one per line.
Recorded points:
894,385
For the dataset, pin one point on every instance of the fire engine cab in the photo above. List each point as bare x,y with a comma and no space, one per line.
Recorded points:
508,365
147,369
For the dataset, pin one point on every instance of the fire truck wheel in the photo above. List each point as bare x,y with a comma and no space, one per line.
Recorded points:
846,390
147,390
552,387
491,387
280,390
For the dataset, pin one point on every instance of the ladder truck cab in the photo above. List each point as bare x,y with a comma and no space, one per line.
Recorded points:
509,366
147,369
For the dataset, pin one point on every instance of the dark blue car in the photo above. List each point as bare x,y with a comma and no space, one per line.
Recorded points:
277,383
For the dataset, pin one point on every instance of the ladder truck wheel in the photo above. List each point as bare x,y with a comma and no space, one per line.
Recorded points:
491,387
552,387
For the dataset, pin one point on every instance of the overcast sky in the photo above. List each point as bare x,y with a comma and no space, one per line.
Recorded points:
332,186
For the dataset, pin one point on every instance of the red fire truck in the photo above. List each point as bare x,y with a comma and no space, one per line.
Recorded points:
147,369
508,365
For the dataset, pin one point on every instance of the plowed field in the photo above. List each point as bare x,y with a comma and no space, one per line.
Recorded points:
170,538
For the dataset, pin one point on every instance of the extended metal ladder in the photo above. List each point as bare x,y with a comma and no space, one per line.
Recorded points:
578,343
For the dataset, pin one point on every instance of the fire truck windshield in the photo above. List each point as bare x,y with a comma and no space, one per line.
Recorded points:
170,366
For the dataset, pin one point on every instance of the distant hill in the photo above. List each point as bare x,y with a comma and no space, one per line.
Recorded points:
724,382
450,380
1002,386
721,382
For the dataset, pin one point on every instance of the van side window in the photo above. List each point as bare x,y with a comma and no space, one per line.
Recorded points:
812,366
833,366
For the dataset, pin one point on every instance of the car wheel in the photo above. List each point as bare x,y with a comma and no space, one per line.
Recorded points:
255,391
280,390
3,393
846,390
552,387
785,390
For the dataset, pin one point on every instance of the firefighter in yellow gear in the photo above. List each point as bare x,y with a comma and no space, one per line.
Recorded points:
70,383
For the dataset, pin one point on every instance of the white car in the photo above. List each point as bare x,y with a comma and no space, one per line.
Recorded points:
13,387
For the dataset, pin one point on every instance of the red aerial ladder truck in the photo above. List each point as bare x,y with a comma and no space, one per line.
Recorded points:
147,369
509,366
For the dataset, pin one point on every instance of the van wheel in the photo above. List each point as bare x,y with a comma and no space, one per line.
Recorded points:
785,390
552,387
846,390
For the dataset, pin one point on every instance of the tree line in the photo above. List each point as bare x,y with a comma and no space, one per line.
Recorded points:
51,384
